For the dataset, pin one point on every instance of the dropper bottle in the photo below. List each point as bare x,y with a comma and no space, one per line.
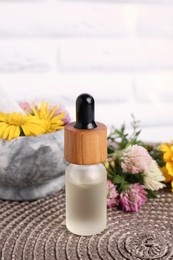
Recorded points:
85,147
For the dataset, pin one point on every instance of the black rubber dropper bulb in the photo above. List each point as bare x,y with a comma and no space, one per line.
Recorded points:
85,116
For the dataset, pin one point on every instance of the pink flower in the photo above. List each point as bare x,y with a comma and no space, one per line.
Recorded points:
135,159
112,195
26,106
133,198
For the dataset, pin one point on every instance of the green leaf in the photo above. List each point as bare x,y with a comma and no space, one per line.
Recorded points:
134,178
120,138
141,179
118,179
124,186
151,194
111,149
158,156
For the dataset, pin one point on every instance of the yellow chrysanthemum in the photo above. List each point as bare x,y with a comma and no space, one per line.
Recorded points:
168,157
167,150
15,124
168,177
52,122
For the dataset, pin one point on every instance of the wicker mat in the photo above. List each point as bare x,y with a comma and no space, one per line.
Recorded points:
36,230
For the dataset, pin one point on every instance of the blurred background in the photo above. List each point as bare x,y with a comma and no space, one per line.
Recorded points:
120,51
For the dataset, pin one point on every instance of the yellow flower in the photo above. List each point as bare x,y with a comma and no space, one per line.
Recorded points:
15,124
168,177
167,150
168,157
51,121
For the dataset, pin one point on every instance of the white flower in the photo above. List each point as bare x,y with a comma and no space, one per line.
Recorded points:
153,177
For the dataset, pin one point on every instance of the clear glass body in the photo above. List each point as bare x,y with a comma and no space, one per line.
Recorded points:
86,210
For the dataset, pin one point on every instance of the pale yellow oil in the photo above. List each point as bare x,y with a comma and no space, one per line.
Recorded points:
86,199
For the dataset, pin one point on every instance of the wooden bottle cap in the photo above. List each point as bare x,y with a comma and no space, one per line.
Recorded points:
85,146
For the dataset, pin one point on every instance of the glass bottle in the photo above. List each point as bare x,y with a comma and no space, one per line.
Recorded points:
85,147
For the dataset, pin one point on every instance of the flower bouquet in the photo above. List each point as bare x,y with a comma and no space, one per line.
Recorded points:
31,151
134,169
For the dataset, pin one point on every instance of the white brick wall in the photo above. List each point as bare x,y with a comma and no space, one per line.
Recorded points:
116,54
119,51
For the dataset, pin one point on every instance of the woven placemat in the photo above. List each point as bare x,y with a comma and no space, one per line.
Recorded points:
36,230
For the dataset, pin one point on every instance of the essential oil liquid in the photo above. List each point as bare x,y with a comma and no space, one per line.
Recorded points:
85,208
